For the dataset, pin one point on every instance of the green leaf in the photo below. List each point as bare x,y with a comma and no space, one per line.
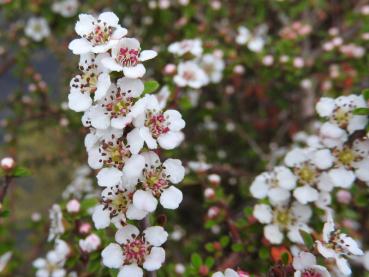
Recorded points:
224,240
365,93
150,86
113,272
209,262
4,213
308,239
20,171
264,253
285,258
196,260
361,111
237,247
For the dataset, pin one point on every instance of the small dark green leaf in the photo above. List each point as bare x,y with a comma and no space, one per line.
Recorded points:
209,262
224,240
20,171
308,239
264,253
150,86
4,213
237,247
196,260
365,93
361,111
285,258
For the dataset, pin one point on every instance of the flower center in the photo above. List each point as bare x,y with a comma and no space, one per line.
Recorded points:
117,201
115,154
155,180
311,273
136,250
128,57
307,174
157,124
120,104
342,116
101,33
188,75
283,218
346,156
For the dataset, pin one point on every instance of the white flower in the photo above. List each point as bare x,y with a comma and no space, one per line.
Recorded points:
98,35
56,222
305,265
134,250
227,273
155,127
275,185
192,46
190,74
66,8
307,164
332,135
255,42
339,111
37,28
52,265
351,161
118,106
94,80
213,67
282,218
127,56
155,183
4,259
336,245
116,206
116,158
90,243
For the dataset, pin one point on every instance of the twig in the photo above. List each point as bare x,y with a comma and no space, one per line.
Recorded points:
4,189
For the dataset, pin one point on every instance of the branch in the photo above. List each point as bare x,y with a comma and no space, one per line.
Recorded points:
4,189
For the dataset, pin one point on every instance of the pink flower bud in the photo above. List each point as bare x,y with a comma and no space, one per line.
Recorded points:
7,163
214,179
170,69
209,193
73,206
84,228
344,196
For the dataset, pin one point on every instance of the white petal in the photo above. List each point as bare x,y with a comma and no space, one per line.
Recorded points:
135,141
135,214
323,159
278,195
79,46
103,84
120,122
259,187
174,169
342,177
343,266
155,259
144,200
170,140
263,213
147,55
133,87
325,106
126,233
78,101
110,18
324,251
99,118
273,234
131,270
286,179
84,25
112,256
306,194
137,71
156,235
101,217
295,157
362,170
304,260
146,135
111,64
109,177
171,198
119,33
134,166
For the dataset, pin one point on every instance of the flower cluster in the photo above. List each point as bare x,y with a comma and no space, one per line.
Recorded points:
337,157
195,68
127,126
